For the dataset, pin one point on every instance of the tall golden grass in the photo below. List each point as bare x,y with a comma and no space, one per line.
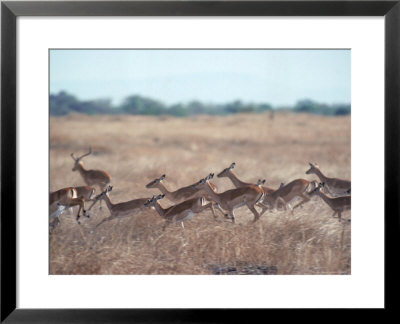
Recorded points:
137,149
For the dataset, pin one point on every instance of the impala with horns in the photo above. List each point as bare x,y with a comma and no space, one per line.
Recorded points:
67,197
179,195
91,177
182,211
119,210
298,188
337,204
333,186
233,198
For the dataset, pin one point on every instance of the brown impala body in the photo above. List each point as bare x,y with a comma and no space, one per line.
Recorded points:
85,192
234,198
239,183
333,186
119,210
91,177
337,204
228,173
179,195
180,212
286,193
67,197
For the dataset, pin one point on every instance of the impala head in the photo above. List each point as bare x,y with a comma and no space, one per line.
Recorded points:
104,193
282,185
312,169
260,182
203,181
224,172
78,159
317,188
155,182
150,202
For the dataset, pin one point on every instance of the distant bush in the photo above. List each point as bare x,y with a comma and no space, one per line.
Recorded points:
64,103
312,107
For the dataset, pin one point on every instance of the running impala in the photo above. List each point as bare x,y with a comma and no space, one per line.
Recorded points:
239,183
91,177
180,212
228,173
286,193
233,198
179,195
119,210
337,204
67,197
333,186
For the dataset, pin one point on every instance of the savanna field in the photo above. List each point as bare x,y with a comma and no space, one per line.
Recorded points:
137,149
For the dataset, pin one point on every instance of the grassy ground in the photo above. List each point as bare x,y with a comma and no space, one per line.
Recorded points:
137,149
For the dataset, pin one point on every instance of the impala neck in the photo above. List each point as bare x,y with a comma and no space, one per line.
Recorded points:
159,209
81,168
324,197
109,204
237,183
320,175
163,189
214,196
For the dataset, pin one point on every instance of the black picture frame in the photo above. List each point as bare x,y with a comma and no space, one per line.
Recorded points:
10,10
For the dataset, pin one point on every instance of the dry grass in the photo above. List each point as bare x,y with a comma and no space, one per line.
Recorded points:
136,149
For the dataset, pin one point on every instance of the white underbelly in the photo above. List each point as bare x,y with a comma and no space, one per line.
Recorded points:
189,215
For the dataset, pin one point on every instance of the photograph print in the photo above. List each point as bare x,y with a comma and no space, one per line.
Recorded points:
199,161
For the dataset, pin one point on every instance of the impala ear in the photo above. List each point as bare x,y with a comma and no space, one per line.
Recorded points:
232,165
162,177
311,165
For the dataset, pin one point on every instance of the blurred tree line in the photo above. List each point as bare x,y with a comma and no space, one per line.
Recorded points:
64,103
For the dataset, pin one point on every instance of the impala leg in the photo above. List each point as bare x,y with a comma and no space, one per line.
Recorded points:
231,215
184,241
81,204
107,219
282,201
305,199
264,207
254,211
87,212
167,222
220,209
77,215
210,206
340,216
54,223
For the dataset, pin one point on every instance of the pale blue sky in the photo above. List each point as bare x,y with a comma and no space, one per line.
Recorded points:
279,77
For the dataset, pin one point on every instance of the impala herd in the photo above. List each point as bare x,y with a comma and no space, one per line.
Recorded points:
202,195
